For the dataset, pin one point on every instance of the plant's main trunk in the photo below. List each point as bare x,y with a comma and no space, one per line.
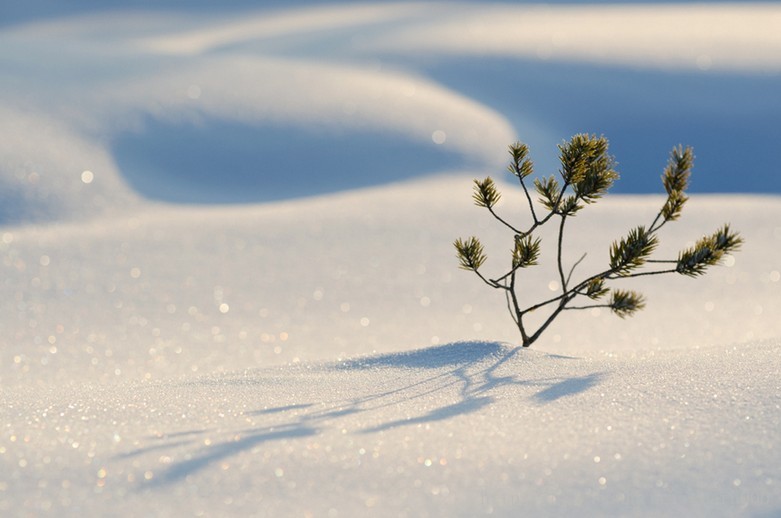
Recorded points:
528,340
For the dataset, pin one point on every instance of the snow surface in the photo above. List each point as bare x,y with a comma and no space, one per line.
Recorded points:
230,288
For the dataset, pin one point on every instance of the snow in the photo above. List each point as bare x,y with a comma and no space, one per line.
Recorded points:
230,286
465,429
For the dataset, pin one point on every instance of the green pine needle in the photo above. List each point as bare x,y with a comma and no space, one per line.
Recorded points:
708,251
625,303
526,251
521,166
676,174
569,205
587,166
549,191
485,193
596,288
470,253
632,251
674,205
676,180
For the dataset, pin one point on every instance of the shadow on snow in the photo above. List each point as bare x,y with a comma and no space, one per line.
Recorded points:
218,161
471,368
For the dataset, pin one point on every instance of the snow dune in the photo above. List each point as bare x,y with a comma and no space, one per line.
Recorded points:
230,289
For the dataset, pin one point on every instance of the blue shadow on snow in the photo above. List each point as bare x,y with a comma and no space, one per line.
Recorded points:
218,161
732,120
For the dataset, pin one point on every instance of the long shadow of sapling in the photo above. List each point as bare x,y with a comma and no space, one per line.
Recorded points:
472,368
181,470
475,385
568,387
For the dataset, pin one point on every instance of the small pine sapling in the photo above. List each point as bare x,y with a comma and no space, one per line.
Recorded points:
587,172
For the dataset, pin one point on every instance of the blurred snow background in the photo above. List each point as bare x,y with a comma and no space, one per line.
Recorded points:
240,105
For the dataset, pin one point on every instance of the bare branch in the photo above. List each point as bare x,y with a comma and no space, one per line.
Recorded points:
558,258
529,199
572,270
495,215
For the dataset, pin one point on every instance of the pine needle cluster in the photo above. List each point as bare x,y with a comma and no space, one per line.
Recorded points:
586,174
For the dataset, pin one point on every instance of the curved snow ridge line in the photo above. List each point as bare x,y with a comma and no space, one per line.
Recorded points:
724,37
266,90
289,22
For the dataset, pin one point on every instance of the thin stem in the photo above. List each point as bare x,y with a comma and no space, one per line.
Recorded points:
532,228
508,298
607,274
572,270
553,212
518,315
588,307
510,309
561,193
572,292
653,224
494,214
653,227
641,274
506,275
537,223
551,318
489,282
529,199
558,258
545,303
